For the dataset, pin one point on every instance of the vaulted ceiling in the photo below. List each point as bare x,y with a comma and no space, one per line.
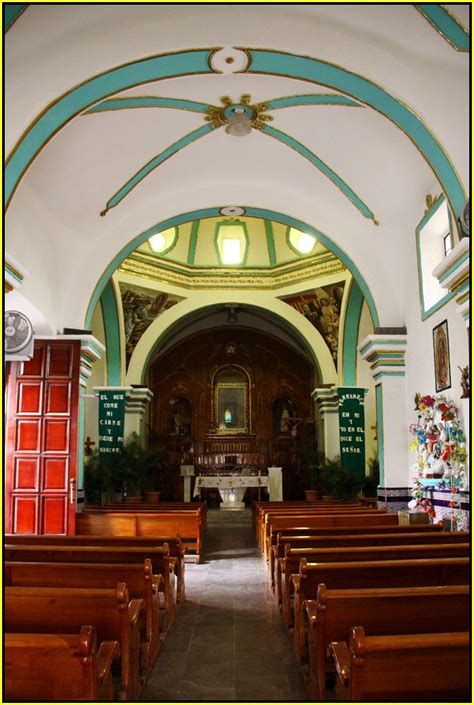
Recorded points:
116,130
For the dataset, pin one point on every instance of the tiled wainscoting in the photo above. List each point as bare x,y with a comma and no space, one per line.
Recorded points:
396,499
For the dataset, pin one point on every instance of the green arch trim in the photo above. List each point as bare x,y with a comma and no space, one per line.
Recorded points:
193,241
351,332
322,166
310,99
154,163
446,25
380,427
112,335
11,12
316,71
270,242
216,212
261,61
147,102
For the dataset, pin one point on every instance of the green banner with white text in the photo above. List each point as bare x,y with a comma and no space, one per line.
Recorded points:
111,420
352,428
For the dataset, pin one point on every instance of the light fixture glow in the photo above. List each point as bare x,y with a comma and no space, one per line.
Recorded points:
239,123
302,242
231,251
157,242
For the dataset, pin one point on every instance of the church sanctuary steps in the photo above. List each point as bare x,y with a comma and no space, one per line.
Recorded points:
416,572
60,610
187,524
403,668
161,562
32,663
383,611
140,580
289,564
176,549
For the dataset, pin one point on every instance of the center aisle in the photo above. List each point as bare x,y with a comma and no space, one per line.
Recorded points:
228,641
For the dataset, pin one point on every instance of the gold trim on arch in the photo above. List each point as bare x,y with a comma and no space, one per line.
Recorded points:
441,34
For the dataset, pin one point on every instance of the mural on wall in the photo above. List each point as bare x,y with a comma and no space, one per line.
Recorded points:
322,308
141,307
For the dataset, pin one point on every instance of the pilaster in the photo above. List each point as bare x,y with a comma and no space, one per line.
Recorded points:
136,402
327,402
385,352
453,275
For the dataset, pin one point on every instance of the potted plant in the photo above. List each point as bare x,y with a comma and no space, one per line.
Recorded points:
314,467
371,481
102,480
341,483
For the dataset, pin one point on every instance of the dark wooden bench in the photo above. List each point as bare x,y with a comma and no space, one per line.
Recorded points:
301,514
153,507
415,572
60,610
290,563
287,535
188,525
403,668
367,517
176,549
161,562
58,667
333,613
140,580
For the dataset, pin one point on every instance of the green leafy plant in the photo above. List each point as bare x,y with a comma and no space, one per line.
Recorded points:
313,467
371,481
339,482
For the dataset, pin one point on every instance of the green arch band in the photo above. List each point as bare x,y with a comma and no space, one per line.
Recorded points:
301,67
83,96
215,212
147,102
155,162
197,62
351,332
318,99
319,164
112,335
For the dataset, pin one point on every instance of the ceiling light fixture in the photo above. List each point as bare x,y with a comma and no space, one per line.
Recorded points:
239,123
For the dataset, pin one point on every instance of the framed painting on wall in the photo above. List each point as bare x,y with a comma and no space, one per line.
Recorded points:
442,364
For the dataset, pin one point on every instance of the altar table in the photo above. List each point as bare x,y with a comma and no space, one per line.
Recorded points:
231,487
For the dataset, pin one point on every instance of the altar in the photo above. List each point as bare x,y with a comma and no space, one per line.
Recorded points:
231,487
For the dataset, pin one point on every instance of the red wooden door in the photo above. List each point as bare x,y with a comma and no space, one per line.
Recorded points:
41,449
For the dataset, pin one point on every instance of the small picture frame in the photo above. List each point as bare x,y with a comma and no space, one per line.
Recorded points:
442,363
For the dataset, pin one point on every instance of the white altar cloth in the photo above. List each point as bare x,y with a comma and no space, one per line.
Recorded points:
231,487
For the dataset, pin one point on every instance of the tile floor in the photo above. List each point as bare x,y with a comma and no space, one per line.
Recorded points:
228,641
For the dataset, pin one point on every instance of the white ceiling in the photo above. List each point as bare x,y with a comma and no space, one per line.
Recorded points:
53,226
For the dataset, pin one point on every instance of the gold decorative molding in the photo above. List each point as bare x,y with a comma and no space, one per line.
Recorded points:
216,114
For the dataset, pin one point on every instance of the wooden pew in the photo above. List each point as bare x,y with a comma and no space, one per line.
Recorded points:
140,580
176,549
161,562
261,508
58,667
415,572
269,517
286,535
370,539
290,563
153,507
365,518
60,610
333,613
403,668
188,525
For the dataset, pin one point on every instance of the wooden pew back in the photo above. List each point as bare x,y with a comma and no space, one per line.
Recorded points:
333,613
407,667
33,662
64,610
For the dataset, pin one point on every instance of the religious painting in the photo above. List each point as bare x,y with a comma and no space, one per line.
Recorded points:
231,402
141,307
322,308
442,364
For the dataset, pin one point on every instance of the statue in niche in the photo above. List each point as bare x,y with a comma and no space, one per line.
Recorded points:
285,420
181,417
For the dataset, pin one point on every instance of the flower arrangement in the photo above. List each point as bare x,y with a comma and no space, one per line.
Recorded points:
438,440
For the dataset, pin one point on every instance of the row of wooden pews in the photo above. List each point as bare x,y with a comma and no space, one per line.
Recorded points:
375,605
85,615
